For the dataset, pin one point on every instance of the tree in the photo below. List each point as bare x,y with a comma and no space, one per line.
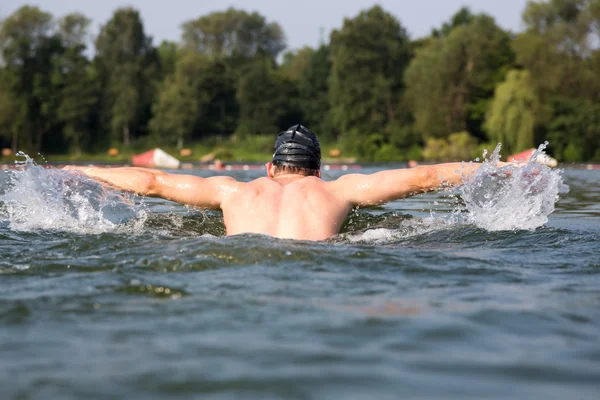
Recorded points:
9,109
559,47
368,57
167,55
511,117
451,81
197,99
464,16
75,81
295,63
308,69
233,33
267,99
177,106
28,45
458,146
574,130
247,46
127,64
313,92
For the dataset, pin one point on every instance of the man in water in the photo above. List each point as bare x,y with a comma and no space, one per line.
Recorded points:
292,201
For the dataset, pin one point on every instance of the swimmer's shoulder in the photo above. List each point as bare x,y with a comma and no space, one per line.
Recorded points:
344,181
262,181
258,184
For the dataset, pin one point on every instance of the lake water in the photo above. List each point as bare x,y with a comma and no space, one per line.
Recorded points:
108,296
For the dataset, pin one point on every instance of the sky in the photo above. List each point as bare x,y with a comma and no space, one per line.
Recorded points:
305,22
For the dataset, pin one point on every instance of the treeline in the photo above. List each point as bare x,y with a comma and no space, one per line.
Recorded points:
372,90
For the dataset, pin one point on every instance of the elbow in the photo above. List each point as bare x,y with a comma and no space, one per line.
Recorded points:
428,176
148,185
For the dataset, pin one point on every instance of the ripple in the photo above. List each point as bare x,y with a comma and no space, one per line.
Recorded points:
400,303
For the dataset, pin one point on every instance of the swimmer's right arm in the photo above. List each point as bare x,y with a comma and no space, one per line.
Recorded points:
185,189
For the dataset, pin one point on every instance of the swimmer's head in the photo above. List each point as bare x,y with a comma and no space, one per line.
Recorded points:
297,151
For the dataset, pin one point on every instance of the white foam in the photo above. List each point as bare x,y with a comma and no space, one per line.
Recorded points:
374,235
512,197
409,228
52,199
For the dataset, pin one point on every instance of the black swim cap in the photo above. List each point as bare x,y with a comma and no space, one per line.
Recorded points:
297,147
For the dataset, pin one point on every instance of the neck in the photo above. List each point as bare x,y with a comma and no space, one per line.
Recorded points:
288,175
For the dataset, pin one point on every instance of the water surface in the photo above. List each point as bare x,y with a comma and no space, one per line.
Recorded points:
147,299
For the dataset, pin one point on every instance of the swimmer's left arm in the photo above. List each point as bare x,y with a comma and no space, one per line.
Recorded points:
185,189
384,186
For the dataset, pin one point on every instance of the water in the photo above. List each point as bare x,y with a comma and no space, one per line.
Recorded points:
448,295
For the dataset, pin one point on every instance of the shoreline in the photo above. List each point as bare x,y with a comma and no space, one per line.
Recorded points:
247,166
237,166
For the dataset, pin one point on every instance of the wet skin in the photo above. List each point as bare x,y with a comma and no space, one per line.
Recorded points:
283,205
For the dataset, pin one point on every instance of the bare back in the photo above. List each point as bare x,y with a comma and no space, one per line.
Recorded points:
305,208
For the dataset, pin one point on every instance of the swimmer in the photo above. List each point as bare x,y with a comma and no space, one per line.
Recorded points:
292,201
218,165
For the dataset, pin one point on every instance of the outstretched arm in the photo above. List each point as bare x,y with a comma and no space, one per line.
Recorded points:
184,189
385,186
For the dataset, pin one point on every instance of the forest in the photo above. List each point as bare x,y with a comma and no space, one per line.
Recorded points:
369,90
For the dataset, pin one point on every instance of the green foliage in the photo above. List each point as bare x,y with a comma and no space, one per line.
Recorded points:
462,146
75,82
27,44
414,153
295,63
368,55
464,16
313,90
167,56
258,144
176,110
371,91
370,146
458,147
127,64
436,150
572,153
233,33
195,101
248,45
511,118
8,110
266,99
451,81
574,130
560,47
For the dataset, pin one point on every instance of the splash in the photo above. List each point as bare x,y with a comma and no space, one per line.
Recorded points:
494,198
511,197
405,229
37,198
